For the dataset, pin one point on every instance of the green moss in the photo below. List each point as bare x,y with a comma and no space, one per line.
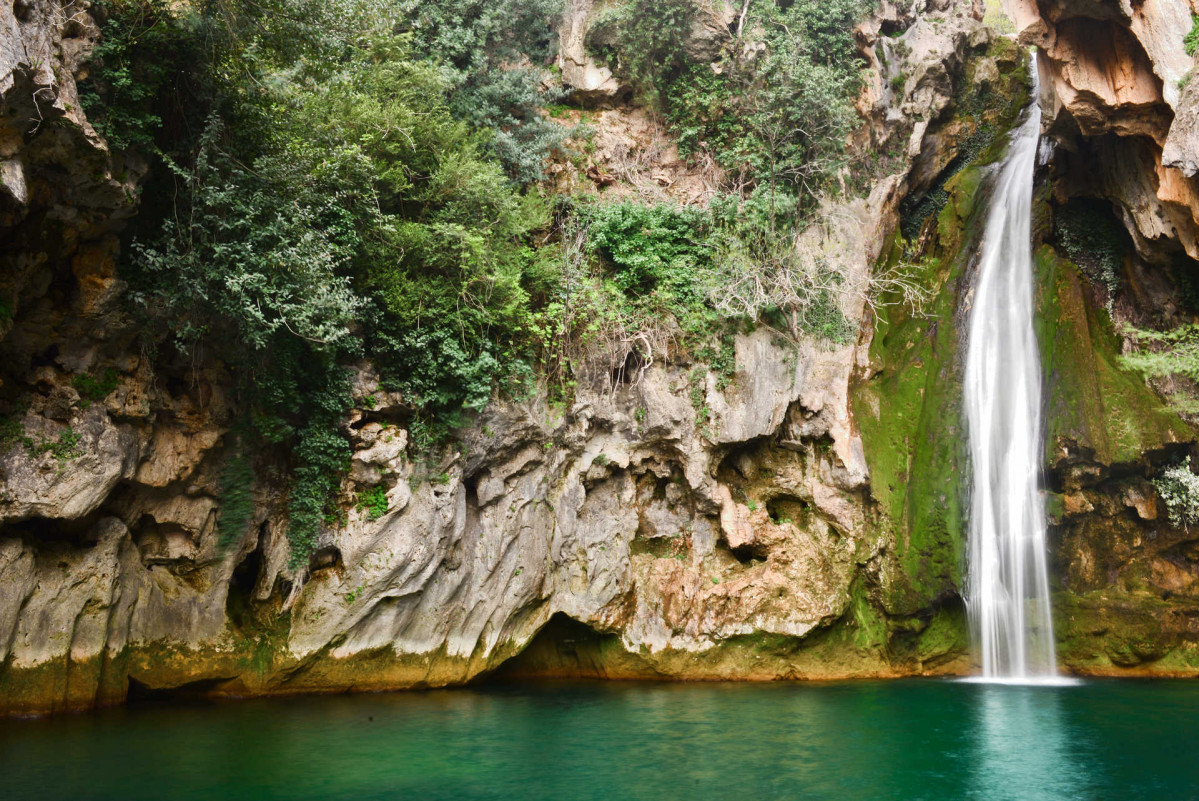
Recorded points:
910,415
1092,401
1125,634
947,635
869,625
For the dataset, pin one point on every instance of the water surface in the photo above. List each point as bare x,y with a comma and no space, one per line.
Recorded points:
660,742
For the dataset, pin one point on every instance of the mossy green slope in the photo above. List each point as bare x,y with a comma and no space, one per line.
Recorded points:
909,416
1092,402
909,412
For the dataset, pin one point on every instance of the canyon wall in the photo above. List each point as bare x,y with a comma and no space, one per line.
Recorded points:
798,516
1119,117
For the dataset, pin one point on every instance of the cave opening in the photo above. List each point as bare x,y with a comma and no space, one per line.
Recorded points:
194,692
564,648
245,576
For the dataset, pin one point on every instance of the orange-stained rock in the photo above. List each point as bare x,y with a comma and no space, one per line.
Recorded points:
94,266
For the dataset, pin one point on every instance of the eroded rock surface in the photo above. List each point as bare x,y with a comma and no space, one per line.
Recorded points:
710,526
669,523
1117,72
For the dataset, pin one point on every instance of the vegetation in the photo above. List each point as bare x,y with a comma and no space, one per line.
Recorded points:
374,502
1090,236
135,68
997,18
643,43
64,448
95,387
1177,352
1191,41
1168,354
653,249
1179,488
777,122
475,44
359,178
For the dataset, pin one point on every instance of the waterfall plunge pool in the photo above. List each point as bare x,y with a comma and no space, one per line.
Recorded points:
567,741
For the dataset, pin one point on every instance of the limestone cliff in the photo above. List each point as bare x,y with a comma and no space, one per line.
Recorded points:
798,518
1119,107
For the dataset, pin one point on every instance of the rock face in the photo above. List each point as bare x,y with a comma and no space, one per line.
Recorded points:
799,517
1116,75
1121,108
693,525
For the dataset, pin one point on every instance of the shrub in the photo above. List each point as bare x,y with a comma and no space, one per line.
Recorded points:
478,43
658,248
145,52
1179,489
1191,41
374,502
12,433
777,123
642,41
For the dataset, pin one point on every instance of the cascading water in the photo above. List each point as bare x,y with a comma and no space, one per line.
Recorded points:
1008,595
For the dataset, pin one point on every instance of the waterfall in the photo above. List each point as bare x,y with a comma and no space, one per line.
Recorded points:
1008,589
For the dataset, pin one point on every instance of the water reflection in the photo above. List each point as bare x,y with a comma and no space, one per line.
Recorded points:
908,740
1024,746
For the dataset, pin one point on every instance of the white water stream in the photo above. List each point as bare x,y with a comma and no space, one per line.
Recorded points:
1008,593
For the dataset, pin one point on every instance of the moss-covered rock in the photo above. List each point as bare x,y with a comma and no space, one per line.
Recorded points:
908,409
1122,634
1126,592
910,421
1092,402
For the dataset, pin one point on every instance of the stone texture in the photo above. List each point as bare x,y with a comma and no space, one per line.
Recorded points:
1117,67
743,544
685,538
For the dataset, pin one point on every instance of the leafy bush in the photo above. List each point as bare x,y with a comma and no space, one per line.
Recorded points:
509,105
642,41
477,43
1191,41
777,123
1179,488
374,502
659,248
145,51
